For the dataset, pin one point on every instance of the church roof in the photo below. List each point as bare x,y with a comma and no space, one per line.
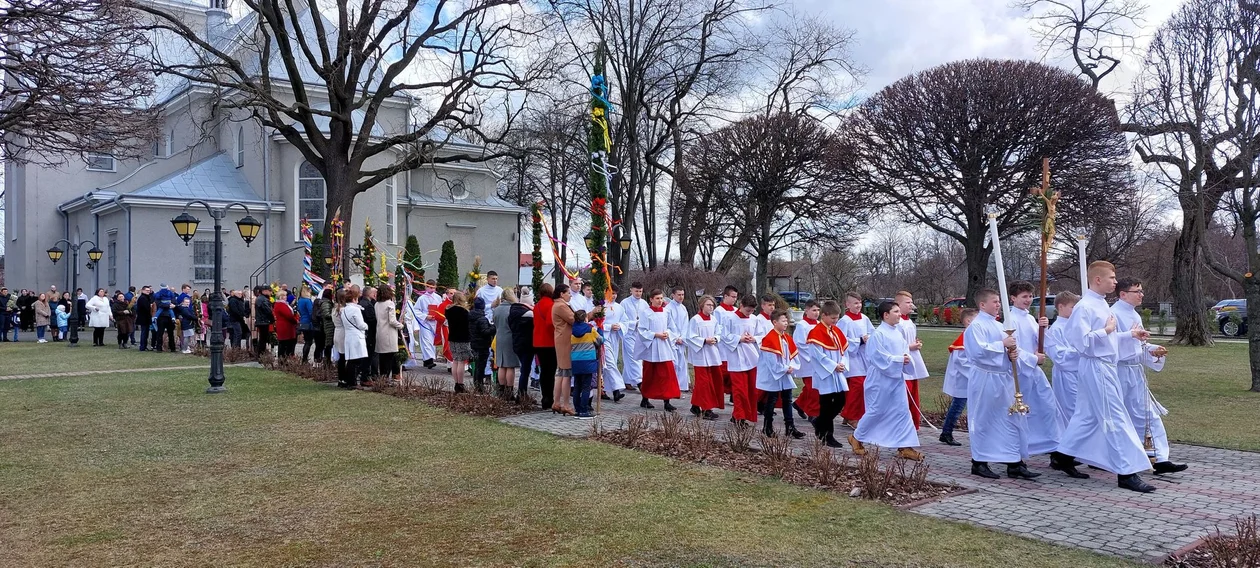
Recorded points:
213,179
470,202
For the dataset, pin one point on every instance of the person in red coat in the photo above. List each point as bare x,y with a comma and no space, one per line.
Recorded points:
286,328
545,344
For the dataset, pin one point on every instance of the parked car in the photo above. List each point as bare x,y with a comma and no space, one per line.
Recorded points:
1051,313
873,303
945,312
1231,316
790,297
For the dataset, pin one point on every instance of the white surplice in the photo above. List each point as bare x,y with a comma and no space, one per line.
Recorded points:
678,320
613,340
651,348
801,335
821,364
853,330
775,369
632,366
957,373
916,369
427,323
996,434
1066,362
1100,432
1044,428
887,420
740,356
1144,410
700,353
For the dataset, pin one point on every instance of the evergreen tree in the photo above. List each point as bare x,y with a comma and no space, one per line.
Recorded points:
411,259
400,285
318,266
369,257
448,266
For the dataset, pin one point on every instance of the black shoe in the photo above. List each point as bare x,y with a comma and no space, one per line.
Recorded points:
709,415
429,364
831,442
768,430
695,410
1020,471
1065,463
604,396
1169,467
460,388
982,469
794,433
798,410
645,404
669,407
1133,483
618,395
948,440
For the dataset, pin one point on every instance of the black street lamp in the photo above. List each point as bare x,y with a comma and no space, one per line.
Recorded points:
798,292
94,256
186,226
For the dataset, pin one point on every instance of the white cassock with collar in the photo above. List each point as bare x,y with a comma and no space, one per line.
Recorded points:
1044,428
1100,432
613,340
887,421
777,361
677,322
632,366
1144,410
821,362
1066,361
996,434
427,324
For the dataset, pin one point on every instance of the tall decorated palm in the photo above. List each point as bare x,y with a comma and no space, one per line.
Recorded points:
368,261
599,144
536,212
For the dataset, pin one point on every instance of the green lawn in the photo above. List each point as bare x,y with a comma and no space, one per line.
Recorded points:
28,357
1204,388
144,469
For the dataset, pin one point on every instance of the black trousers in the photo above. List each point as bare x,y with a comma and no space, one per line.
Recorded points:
387,363
771,399
546,373
527,363
264,339
166,326
287,347
98,336
829,406
481,358
312,338
372,370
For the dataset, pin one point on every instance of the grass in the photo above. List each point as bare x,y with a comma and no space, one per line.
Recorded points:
144,469
28,357
1204,388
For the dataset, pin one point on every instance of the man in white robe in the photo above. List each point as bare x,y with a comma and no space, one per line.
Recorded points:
614,338
427,323
1043,424
633,307
997,435
490,293
724,313
676,313
584,301
887,420
917,369
1100,432
1135,353
656,350
857,330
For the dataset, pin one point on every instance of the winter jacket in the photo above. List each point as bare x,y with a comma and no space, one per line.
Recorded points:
326,318
63,316
457,323
521,320
237,310
480,330
187,318
165,300
262,312
144,309
562,322
124,317
42,313
305,310
586,340
286,321
387,327
98,310
544,329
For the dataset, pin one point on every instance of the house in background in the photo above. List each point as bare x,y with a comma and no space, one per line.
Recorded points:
207,153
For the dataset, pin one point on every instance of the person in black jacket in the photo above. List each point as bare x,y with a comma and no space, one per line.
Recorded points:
521,320
368,302
481,334
263,319
237,311
144,315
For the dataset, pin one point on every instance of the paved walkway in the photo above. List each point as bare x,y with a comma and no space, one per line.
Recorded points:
1093,513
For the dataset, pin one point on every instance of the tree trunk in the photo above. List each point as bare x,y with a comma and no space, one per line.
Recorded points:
1187,282
977,264
339,200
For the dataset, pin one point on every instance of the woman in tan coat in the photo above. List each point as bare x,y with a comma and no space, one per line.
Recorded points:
562,318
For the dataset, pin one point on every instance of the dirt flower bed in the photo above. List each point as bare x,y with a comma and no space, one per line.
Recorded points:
432,390
745,449
937,415
1241,550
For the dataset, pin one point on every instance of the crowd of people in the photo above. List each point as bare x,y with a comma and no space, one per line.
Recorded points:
1097,411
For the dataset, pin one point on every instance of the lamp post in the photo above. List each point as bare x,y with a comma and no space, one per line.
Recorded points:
94,256
186,226
798,292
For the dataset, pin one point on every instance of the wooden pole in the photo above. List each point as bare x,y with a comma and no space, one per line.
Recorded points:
1046,236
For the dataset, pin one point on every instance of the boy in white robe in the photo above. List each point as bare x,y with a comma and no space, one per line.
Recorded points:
857,330
827,360
806,405
428,323
997,435
917,369
632,308
1043,412
1100,432
887,420
957,370
702,338
610,325
777,362
725,311
677,316
1065,358
1135,353
656,350
741,346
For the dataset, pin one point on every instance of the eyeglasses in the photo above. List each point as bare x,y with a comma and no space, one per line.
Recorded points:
1139,291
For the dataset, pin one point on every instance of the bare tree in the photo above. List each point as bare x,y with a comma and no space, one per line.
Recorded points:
940,145
322,75
806,67
1185,113
779,188
74,80
1095,33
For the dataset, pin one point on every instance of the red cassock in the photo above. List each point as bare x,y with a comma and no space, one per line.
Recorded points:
808,399
659,379
707,393
854,401
726,374
912,393
441,332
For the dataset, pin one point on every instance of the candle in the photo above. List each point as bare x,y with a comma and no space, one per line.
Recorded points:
1080,257
1001,271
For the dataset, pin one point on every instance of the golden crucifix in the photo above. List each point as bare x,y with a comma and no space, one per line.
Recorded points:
1049,201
